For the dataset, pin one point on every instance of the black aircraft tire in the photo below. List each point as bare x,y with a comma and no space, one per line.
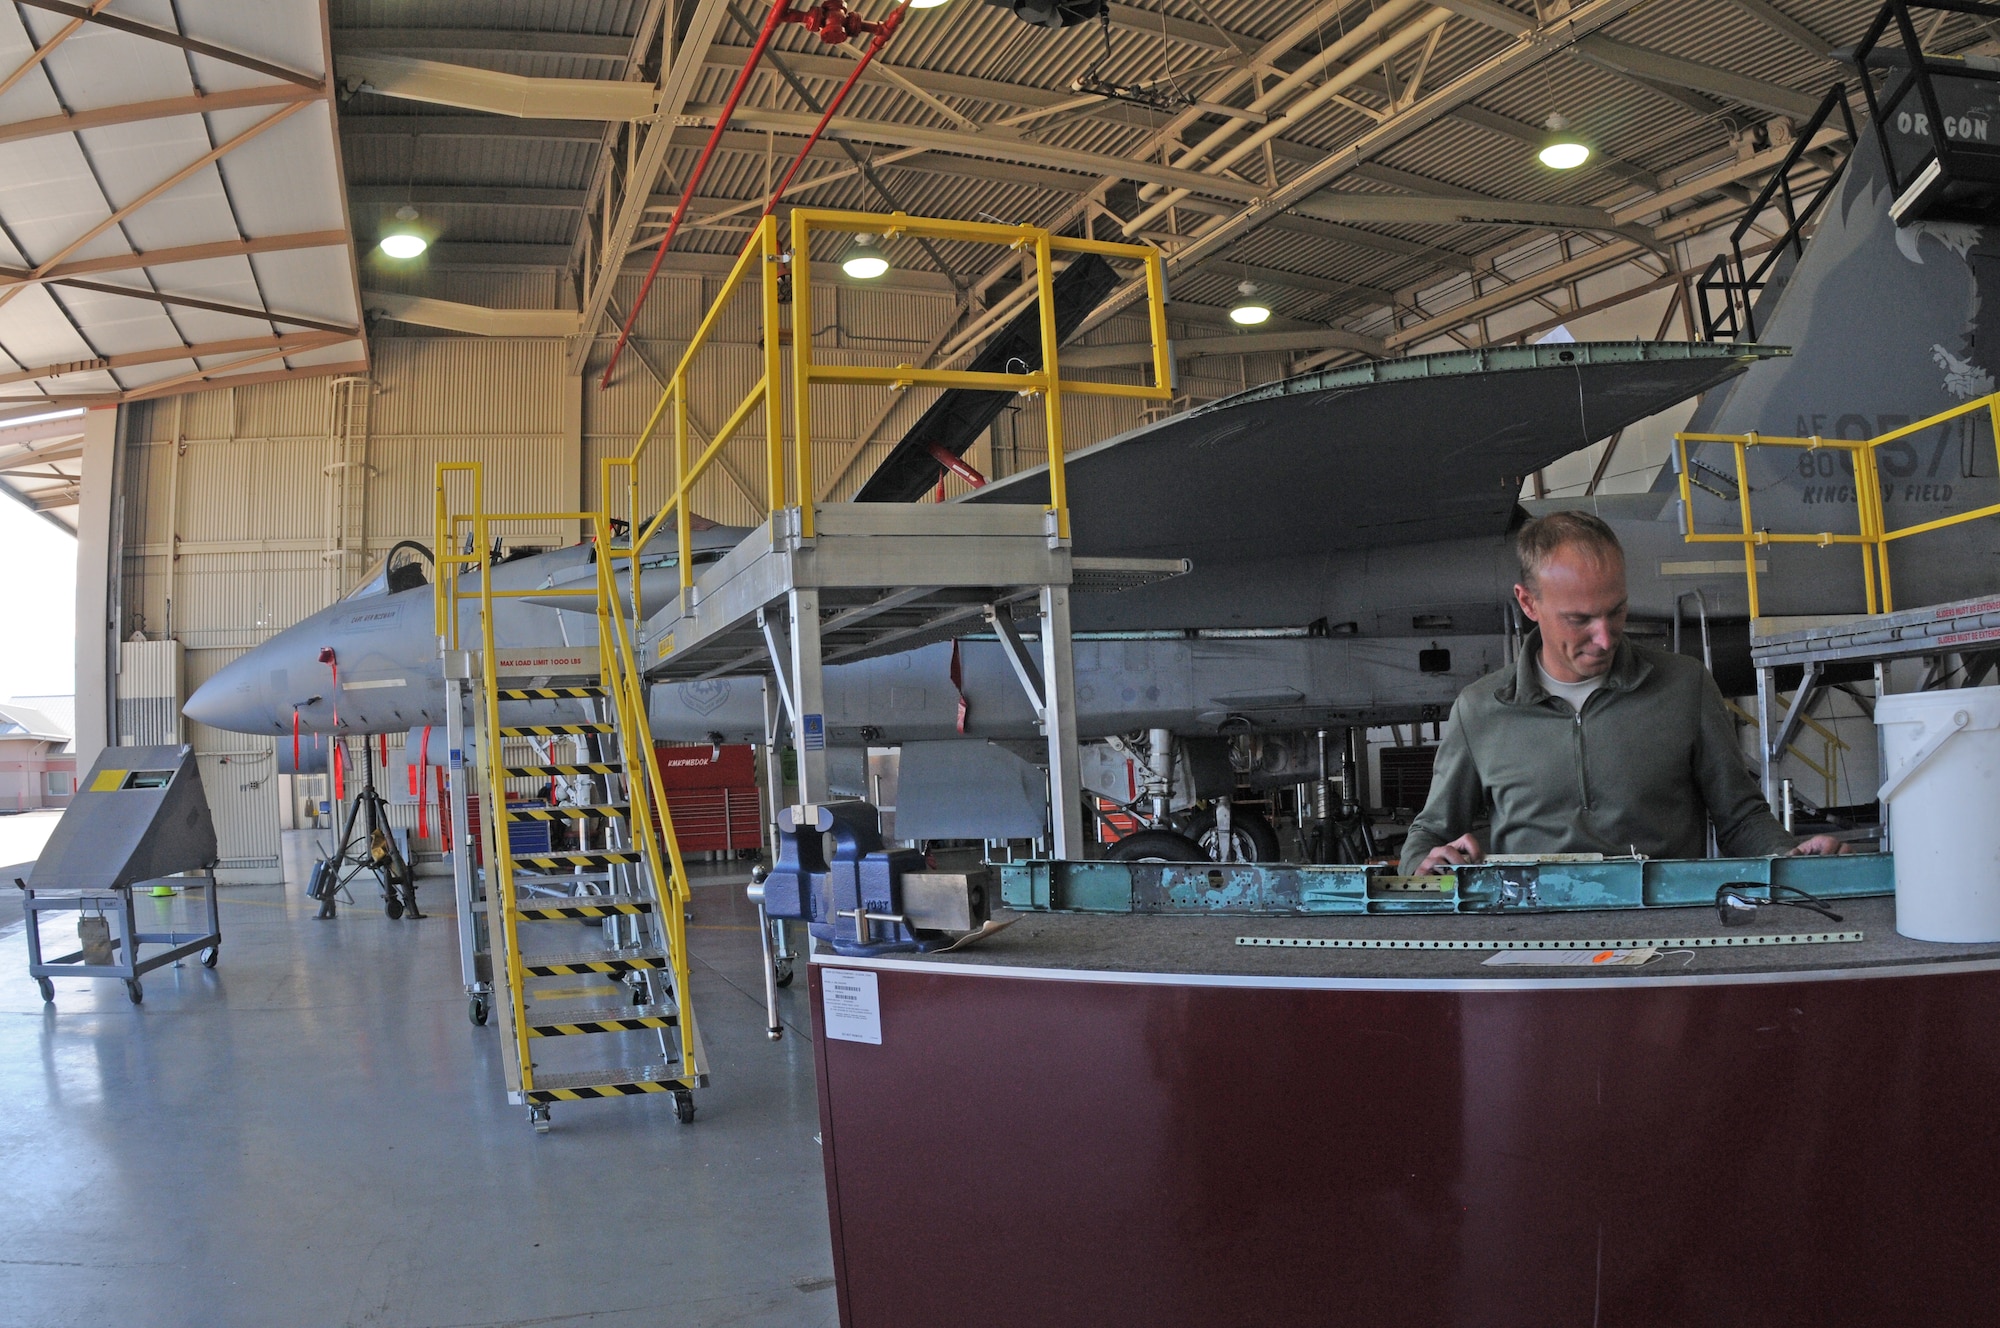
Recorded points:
1155,846
1253,834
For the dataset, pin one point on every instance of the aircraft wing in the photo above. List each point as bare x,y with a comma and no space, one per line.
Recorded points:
1429,447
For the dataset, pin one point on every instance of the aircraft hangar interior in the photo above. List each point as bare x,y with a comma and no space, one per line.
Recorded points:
1001,662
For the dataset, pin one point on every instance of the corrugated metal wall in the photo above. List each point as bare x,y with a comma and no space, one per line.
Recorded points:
232,519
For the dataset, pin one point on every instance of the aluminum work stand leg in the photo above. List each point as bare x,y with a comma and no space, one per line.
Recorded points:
1764,757
476,976
1059,725
774,780
809,697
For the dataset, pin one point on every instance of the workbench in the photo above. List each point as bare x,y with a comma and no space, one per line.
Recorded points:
1128,1119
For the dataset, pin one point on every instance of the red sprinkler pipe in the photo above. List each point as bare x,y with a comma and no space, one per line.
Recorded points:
833,24
883,31
770,28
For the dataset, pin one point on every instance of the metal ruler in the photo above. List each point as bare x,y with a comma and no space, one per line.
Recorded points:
1654,942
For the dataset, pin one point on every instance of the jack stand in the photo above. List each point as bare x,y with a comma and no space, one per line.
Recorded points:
375,851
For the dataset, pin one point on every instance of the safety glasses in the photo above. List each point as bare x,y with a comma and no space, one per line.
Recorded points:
1738,906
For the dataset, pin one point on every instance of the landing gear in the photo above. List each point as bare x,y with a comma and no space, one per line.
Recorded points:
1252,838
683,1106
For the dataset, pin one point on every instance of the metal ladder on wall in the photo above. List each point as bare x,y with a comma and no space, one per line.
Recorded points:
629,883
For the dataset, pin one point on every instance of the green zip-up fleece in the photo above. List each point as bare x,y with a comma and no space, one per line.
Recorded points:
1650,759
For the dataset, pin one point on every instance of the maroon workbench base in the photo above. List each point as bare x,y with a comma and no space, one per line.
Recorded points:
1022,1151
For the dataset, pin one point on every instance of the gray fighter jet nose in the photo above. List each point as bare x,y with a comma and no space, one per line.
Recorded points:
234,698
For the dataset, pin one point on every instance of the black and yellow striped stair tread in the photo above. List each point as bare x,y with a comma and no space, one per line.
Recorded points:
583,906
556,730
548,693
619,1081
602,1019
593,859
582,768
592,961
600,812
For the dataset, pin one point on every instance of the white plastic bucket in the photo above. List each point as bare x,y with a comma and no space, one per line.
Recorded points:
1942,795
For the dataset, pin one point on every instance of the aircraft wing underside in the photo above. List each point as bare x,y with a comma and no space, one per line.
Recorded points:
1387,453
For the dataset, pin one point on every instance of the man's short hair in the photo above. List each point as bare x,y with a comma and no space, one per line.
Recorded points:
1539,539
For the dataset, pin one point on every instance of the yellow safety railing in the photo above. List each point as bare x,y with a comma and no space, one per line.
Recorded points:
792,485
651,825
1872,535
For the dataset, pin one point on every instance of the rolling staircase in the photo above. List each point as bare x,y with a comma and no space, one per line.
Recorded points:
604,1014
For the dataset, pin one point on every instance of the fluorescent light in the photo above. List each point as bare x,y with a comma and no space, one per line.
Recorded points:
925,4
1564,155
43,418
404,244
865,261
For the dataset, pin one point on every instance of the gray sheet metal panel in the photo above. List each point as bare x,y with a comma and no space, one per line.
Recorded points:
116,836
968,790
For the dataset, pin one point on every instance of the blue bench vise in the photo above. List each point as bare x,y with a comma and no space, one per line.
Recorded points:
853,897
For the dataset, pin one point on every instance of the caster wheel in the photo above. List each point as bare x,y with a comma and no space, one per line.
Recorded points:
476,1011
134,990
683,1106
539,1118
393,907
47,988
210,955
784,972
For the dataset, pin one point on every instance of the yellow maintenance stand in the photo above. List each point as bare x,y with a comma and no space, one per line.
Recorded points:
814,583
628,880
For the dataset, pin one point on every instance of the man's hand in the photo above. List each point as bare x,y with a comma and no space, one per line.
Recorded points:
1819,845
1458,852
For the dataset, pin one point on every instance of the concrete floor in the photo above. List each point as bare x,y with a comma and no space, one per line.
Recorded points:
312,1133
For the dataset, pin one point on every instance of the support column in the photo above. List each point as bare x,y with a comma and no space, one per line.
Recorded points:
96,634
1059,715
809,695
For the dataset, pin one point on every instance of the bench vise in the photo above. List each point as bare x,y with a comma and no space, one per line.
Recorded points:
834,874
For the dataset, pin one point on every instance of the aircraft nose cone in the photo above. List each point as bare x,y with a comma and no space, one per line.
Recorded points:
233,699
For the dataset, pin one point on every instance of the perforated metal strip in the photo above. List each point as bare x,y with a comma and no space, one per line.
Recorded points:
1655,942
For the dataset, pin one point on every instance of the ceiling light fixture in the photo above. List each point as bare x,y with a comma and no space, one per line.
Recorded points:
404,242
925,4
1563,151
865,261
1250,308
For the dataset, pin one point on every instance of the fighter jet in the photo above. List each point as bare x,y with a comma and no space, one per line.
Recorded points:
1348,534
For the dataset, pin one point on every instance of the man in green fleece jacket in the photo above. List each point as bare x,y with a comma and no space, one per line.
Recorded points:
1590,743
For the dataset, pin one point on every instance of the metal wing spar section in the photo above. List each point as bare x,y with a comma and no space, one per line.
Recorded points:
1429,447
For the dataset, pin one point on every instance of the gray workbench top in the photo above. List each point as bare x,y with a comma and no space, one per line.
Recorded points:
1189,946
